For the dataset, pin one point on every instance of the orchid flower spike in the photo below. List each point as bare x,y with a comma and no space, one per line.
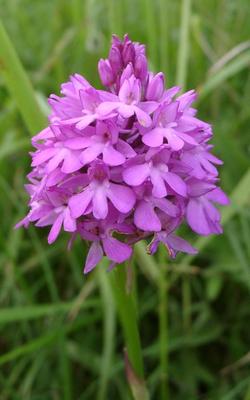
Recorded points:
119,165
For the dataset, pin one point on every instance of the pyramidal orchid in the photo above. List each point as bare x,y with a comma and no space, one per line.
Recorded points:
126,163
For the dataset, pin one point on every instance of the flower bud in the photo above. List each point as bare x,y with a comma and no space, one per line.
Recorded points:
105,72
141,67
128,53
155,87
115,60
126,74
116,42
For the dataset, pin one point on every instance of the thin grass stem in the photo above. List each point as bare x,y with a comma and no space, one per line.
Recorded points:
164,39
19,84
183,49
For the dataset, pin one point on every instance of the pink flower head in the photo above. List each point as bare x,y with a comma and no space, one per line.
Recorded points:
123,164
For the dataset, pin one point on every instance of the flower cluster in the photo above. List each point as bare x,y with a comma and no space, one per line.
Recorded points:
123,164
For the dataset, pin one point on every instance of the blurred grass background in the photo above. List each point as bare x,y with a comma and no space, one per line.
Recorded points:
59,337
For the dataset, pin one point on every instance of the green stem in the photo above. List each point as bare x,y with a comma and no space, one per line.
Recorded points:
109,323
163,331
127,313
186,303
126,309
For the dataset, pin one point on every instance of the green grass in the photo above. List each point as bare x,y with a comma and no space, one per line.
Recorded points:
59,338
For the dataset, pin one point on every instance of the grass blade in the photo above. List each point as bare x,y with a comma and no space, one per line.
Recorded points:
149,10
163,5
182,58
24,313
227,72
19,84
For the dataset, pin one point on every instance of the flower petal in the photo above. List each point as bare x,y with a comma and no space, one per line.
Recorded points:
136,174
174,141
126,110
112,156
143,118
78,143
91,153
167,207
55,230
71,163
79,202
218,196
154,138
41,156
122,197
176,183
107,107
100,203
69,223
170,112
85,121
187,138
159,187
124,148
179,244
145,217
55,161
94,256
197,218
116,250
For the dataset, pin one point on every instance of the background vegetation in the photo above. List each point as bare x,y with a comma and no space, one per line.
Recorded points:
59,337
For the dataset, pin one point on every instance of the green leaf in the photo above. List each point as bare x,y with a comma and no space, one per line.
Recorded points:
213,287
228,71
19,84
9,315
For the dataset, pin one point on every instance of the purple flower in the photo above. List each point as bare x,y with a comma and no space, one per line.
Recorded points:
202,216
100,234
156,170
128,103
124,164
95,196
155,87
172,242
166,121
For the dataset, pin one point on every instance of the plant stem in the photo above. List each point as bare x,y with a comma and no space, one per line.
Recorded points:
186,303
126,310
127,313
109,324
163,330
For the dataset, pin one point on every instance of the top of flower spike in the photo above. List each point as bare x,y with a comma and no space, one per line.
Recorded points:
125,59
132,160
